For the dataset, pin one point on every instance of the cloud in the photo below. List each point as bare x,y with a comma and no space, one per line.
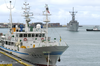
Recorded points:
61,1
68,2
62,13
96,16
88,10
3,8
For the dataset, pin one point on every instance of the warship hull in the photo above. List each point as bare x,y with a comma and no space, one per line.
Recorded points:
72,26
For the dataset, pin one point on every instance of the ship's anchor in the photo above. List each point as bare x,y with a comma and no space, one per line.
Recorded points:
59,59
48,59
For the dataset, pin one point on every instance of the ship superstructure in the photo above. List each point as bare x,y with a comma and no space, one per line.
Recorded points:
33,44
73,24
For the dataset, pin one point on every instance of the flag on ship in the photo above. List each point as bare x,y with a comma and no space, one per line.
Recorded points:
47,9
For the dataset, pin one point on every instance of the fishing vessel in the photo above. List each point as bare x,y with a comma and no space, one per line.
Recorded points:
73,24
32,44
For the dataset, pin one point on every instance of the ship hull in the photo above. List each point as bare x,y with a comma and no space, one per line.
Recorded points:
91,30
72,26
39,56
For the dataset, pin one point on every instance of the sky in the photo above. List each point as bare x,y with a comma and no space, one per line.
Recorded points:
88,11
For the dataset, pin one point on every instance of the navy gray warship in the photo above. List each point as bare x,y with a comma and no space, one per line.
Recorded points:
73,24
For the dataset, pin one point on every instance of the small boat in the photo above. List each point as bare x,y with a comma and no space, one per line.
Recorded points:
94,29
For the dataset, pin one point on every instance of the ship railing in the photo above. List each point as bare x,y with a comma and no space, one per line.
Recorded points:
60,43
63,44
46,20
53,44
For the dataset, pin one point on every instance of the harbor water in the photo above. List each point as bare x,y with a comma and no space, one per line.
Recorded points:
84,46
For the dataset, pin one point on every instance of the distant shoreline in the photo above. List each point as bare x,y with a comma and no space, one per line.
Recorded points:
3,27
44,27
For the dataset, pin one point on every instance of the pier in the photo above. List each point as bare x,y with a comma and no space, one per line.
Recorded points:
12,60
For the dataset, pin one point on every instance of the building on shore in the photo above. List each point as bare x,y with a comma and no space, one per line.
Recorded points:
44,25
3,25
54,25
6,25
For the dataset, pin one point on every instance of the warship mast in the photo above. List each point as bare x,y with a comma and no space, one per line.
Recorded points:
73,14
73,24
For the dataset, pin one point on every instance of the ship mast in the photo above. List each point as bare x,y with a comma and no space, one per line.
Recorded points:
26,15
46,20
10,15
73,14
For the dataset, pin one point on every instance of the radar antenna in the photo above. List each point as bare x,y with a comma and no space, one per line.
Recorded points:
10,8
73,14
27,15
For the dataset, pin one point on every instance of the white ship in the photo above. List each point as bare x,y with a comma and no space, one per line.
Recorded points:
32,44
73,24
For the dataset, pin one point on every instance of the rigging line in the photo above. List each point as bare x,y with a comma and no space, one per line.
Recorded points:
25,0
38,19
57,32
53,32
15,3
5,3
59,35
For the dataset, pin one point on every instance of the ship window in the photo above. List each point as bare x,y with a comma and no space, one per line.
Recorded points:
25,35
21,43
32,35
21,35
29,35
16,35
6,42
3,42
40,35
43,35
36,35
11,43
